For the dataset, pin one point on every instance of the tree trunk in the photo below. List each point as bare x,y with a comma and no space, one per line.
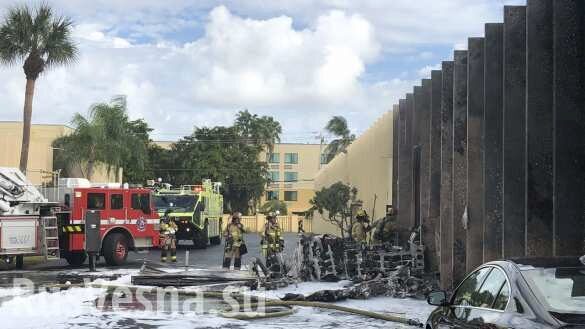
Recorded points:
28,99
89,171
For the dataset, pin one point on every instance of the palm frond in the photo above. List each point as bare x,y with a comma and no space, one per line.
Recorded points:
59,47
15,32
338,126
27,32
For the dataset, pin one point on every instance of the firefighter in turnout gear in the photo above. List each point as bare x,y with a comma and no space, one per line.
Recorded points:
168,229
361,227
272,241
234,240
386,228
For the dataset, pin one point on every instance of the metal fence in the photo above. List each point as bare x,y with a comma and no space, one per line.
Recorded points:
288,223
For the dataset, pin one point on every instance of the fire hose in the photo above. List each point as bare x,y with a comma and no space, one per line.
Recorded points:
271,304
289,303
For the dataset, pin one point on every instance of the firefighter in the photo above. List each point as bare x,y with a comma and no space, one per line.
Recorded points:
272,242
168,229
386,228
361,227
301,226
234,235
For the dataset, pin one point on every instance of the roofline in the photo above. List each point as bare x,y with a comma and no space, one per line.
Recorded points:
306,144
38,124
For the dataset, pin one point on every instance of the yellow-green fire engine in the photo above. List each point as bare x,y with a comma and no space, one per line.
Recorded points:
197,210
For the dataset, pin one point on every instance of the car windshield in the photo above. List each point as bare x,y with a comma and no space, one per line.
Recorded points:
177,203
561,290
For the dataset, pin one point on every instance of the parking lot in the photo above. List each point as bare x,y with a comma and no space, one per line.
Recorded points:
208,258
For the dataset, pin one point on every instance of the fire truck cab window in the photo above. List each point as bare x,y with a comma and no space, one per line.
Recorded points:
96,201
141,202
116,201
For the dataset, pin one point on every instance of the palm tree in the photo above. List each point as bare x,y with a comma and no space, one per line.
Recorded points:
106,137
42,42
338,127
100,137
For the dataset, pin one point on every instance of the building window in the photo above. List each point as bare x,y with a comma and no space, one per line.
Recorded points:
96,201
291,195
274,157
116,201
291,158
271,195
291,176
273,176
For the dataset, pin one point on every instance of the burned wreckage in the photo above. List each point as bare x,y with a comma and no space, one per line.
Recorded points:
380,269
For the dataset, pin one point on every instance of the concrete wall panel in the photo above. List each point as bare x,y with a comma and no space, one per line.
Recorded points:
539,128
475,153
514,205
569,108
446,220
493,141
459,162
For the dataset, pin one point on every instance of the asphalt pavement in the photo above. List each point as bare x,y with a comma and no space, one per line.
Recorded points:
212,256
209,258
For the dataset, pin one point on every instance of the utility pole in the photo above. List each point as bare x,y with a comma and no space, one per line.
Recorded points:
321,139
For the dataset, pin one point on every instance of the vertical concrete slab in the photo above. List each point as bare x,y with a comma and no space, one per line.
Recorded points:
514,146
446,220
435,170
406,217
459,163
395,153
404,209
475,152
569,128
419,127
493,141
539,128
424,120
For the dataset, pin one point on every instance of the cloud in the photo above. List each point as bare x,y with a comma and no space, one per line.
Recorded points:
237,63
193,63
425,72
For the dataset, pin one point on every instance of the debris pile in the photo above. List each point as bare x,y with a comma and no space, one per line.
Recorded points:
330,258
152,276
378,270
400,284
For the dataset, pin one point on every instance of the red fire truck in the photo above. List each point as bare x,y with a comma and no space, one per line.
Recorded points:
129,221
52,223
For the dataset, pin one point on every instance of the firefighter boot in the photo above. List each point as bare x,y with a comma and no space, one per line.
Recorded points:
227,262
163,255
174,255
237,263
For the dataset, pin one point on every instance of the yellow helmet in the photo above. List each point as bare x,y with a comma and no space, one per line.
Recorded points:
361,213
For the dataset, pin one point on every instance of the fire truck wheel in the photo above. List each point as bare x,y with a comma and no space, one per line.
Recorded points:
201,238
115,249
19,262
76,258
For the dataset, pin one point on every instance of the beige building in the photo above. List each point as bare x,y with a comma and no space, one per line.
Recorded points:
292,169
40,156
165,145
367,165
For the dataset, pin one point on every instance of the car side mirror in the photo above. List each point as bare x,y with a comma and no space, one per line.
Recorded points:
437,298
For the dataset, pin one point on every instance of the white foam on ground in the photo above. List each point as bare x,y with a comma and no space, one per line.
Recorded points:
10,292
75,308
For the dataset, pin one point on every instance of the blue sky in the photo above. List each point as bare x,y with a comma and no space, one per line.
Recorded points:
196,63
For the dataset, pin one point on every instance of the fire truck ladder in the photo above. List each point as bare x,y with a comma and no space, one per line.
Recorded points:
50,237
